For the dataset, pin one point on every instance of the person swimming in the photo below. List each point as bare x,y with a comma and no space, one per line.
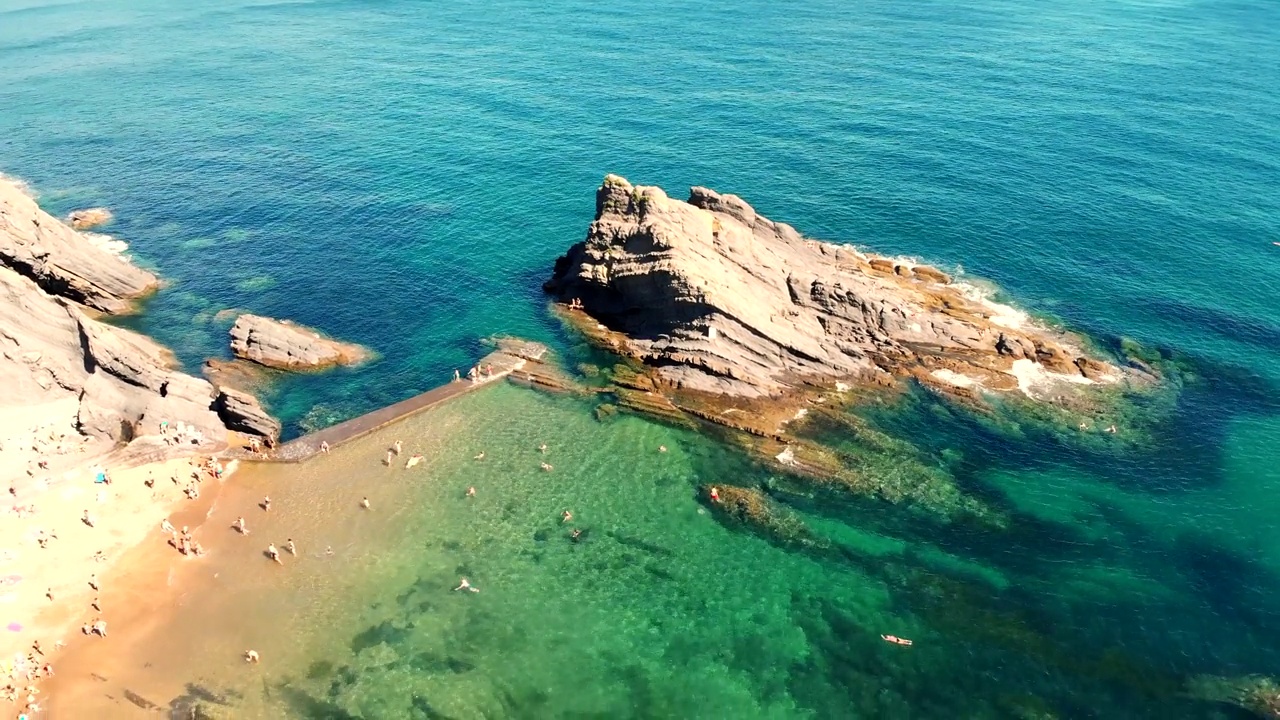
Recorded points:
478,457
465,584
566,516
896,640
471,492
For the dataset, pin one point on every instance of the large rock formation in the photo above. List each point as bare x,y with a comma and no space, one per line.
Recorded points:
53,349
719,299
288,346
60,260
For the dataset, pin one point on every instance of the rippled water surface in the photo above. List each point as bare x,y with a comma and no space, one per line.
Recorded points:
402,174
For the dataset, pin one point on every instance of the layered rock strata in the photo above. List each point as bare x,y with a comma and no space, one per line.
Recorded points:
60,260
285,345
715,298
53,348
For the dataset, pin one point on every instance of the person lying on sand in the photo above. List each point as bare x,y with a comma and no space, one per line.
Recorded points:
251,656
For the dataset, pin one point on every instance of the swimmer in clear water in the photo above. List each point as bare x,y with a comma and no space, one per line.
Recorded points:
471,492
465,584
566,516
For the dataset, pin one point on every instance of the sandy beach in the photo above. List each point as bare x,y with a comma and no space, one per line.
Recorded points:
73,509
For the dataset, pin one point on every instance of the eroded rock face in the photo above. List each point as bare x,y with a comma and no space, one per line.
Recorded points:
283,344
59,259
242,412
720,299
121,385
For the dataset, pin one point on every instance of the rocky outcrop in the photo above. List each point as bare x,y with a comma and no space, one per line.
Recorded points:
89,218
59,260
718,299
53,348
285,345
242,412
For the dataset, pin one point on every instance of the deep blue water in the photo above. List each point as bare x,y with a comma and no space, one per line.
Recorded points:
402,174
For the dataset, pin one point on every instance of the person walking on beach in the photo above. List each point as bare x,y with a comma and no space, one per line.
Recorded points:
100,627
166,526
87,519
397,448
466,585
365,503
240,527
291,548
266,504
273,553
387,462
324,447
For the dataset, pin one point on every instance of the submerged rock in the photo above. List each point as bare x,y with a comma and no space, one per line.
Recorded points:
1258,694
89,217
719,299
61,261
288,346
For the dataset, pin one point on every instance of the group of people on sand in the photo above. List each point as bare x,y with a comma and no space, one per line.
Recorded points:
20,674
33,667
180,434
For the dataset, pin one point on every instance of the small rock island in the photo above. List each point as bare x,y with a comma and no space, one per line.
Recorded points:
285,345
715,298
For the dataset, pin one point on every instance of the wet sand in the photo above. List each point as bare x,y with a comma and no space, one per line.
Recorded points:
189,621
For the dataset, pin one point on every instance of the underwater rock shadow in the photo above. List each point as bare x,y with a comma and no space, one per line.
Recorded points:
1227,325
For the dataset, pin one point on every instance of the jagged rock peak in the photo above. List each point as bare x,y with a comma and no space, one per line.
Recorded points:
719,298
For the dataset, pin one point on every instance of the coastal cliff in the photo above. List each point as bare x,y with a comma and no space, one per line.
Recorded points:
115,384
715,298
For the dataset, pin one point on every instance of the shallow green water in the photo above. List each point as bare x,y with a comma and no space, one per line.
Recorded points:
1090,604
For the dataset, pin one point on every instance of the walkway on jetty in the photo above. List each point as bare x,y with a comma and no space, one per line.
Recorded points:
511,355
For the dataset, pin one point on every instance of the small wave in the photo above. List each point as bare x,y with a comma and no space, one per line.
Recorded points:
111,244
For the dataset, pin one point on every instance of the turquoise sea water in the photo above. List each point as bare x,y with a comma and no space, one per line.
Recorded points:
402,174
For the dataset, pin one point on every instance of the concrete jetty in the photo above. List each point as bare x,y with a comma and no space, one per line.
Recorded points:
512,355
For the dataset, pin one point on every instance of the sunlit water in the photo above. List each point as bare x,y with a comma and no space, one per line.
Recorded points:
403,174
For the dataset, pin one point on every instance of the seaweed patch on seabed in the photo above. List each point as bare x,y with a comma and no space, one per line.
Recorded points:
201,703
